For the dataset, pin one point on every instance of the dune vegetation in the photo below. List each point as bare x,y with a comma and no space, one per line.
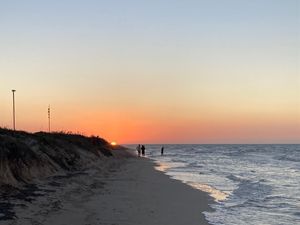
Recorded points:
25,156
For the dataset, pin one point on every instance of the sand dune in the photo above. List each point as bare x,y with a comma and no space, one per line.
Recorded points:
26,156
67,179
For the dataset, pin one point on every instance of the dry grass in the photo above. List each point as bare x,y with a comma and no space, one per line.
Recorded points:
24,156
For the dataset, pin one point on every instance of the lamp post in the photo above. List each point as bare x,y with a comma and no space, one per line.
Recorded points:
14,110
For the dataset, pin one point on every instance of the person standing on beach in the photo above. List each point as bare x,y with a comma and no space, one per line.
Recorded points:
162,150
143,150
138,148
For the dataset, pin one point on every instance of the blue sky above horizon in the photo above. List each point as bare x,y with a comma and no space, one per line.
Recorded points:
179,71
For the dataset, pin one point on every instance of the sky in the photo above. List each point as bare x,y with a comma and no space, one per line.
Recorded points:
157,71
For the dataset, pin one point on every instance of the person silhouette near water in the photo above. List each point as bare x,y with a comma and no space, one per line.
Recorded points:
162,150
143,150
138,148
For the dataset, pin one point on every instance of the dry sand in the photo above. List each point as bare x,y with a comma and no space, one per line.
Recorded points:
126,192
142,195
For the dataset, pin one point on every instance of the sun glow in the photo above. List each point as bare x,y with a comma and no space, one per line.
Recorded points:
113,143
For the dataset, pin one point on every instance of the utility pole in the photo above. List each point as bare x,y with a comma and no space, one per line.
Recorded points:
14,110
49,119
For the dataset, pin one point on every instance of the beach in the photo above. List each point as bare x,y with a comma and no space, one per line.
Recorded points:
138,194
126,190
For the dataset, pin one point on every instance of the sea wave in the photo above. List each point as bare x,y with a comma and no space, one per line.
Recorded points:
258,184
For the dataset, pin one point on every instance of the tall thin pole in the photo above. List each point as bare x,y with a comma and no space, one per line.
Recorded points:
49,119
14,110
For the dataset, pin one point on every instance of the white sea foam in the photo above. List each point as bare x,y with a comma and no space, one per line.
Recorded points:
252,184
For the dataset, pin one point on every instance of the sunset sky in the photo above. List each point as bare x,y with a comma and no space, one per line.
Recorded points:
159,71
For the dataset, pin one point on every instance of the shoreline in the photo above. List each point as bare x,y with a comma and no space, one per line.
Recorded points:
151,197
126,191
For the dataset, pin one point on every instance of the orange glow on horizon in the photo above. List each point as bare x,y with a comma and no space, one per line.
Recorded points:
155,127
147,124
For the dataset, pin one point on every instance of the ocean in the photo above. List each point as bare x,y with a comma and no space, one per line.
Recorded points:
251,184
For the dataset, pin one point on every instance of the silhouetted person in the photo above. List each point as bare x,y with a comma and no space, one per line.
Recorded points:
162,150
143,150
138,148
